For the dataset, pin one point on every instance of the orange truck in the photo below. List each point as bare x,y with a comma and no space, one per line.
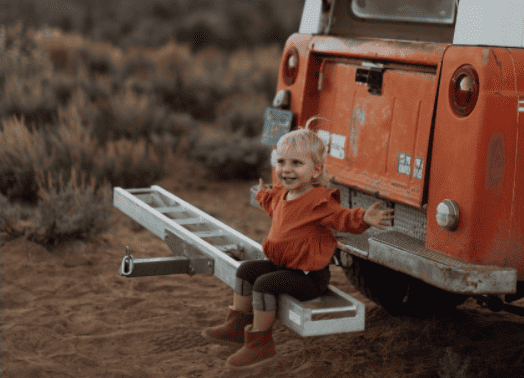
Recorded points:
421,105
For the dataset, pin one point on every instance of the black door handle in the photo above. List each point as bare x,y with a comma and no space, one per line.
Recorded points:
373,77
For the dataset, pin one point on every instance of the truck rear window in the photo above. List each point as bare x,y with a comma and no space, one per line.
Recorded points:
430,11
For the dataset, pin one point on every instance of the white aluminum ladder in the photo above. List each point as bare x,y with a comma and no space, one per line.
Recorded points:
203,244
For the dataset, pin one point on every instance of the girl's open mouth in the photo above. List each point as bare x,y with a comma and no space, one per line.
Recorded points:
289,180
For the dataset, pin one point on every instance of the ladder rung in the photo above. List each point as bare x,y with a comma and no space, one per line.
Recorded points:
170,209
208,234
228,247
184,221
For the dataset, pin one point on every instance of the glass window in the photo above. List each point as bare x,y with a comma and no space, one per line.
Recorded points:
433,11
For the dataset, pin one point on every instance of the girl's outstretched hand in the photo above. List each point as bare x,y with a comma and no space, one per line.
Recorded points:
378,218
260,186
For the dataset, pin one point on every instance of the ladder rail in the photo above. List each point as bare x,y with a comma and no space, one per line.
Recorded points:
252,248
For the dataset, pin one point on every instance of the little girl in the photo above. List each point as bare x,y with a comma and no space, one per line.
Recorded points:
300,245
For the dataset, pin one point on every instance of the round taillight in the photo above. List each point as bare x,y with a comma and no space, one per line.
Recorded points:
290,66
448,214
464,90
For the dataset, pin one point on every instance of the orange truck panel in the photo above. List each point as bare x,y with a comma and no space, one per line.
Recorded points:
473,159
408,145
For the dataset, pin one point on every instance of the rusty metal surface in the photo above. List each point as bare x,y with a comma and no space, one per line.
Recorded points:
474,161
408,255
378,143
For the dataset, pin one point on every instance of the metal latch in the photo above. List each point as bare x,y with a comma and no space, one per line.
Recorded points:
372,76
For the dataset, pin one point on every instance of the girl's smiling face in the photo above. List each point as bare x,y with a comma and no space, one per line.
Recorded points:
296,171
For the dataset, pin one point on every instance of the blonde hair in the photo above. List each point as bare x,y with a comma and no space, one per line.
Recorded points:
305,140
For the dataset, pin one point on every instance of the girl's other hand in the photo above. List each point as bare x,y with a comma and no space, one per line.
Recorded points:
378,218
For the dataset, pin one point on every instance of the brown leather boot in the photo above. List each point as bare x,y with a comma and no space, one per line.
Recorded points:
258,350
232,332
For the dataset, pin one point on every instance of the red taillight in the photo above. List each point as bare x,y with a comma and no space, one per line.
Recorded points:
464,90
290,66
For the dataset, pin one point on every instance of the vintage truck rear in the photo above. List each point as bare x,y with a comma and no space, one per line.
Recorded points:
421,105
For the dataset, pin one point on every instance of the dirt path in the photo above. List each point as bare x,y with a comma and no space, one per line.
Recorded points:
67,313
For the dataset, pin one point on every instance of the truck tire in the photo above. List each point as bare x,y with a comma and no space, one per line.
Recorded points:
398,293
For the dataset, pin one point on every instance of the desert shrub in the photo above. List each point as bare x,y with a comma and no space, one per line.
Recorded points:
137,62
20,55
203,28
63,87
72,144
97,87
255,70
149,32
129,164
228,156
64,212
21,152
33,98
100,58
243,113
25,78
132,116
14,219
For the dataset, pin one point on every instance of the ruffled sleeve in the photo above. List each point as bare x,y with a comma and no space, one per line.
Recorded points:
266,197
341,218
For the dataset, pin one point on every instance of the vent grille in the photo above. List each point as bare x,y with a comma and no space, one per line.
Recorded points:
408,221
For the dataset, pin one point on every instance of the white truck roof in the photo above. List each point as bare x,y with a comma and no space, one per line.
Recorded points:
490,22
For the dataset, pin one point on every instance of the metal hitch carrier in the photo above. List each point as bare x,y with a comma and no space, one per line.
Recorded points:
202,244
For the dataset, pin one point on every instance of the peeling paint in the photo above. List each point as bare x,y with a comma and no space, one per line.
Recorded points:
358,119
495,163
485,54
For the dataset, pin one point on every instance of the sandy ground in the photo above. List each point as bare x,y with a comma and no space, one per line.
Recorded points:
67,313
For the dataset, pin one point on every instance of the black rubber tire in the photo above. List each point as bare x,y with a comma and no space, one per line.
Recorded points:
398,293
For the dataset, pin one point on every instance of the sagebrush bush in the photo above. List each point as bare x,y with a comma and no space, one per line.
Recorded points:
129,164
21,152
14,219
25,77
70,211
243,113
132,115
228,156
138,62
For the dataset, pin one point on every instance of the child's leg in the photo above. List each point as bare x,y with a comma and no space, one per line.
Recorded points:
242,303
295,283
246,275
263,320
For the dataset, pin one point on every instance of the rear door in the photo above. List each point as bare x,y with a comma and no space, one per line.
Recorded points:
379,124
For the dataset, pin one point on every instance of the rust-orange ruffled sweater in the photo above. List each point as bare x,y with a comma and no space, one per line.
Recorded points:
300,235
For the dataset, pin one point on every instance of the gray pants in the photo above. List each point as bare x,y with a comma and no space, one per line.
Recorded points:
265,281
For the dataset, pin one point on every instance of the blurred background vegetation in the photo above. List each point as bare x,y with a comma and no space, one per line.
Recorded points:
96,94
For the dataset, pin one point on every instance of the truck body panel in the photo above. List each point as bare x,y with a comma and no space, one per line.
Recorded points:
381,99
